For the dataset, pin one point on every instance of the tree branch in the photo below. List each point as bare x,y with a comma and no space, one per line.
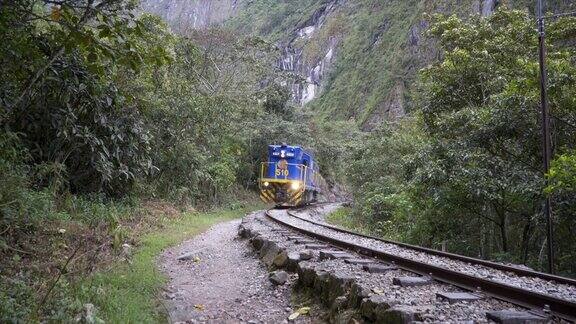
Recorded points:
60,273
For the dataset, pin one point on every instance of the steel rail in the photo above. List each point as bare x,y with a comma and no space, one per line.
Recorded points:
459,257
534,301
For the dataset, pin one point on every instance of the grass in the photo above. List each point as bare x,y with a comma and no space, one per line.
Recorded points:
128,293
344,217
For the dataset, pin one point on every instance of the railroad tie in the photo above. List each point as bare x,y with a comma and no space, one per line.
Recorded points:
509,316
359,261
378,268
334,254
316,246
304,241
455,297
411,281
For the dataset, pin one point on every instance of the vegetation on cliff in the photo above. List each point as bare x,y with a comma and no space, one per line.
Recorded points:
380,47
466,167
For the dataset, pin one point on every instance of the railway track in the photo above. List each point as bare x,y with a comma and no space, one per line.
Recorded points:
510,284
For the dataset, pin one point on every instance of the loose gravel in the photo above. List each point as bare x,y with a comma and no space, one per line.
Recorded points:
420,299
539,285
319,212
223,282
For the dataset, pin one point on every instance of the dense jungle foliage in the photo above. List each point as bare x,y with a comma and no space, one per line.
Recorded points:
102,109
465,169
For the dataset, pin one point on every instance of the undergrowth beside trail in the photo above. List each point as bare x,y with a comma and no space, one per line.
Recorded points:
129,292
70,264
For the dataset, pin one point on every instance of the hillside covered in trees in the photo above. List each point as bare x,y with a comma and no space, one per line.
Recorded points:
426,111
448,92
103,110
465,168
354,60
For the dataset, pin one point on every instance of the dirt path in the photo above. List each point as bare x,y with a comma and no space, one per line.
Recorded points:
222,282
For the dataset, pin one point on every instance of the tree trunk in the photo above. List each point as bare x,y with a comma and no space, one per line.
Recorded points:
504,235
503,228
542,254
490,245
526,239
482,245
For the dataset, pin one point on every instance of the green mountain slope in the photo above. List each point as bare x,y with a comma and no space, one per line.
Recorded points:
354,59
380,46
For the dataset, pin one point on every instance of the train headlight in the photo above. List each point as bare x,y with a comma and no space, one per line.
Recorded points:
295,185
266,183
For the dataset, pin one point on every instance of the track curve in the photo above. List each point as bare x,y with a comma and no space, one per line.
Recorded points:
494,265
535,301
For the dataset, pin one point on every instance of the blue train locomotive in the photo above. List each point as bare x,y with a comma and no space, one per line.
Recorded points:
290,177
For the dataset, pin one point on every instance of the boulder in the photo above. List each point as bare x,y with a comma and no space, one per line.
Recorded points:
268,252
403,314
374,307
278,277
400,315
321,280
281,259
339,305
257,242
306,274
264,247
339,312
306,255
339,284
185,256
357,294
243,231
293,260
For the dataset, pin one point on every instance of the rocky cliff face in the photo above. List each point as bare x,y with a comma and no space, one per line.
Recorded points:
353,59
311,72
199,14
183,15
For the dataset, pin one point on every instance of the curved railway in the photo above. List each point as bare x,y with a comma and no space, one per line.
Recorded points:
510,284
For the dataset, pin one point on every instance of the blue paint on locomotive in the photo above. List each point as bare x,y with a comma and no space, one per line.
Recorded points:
300,164
289,177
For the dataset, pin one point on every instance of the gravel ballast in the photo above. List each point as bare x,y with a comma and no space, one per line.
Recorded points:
539,285
344,287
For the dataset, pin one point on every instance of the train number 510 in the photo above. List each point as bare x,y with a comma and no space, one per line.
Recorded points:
282,172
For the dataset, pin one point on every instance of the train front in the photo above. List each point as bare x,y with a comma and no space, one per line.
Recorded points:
282,178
